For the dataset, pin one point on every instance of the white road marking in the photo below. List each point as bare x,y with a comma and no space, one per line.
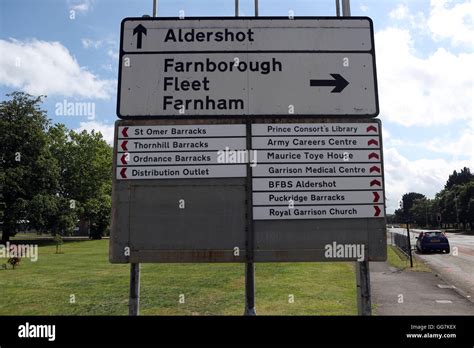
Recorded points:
446,286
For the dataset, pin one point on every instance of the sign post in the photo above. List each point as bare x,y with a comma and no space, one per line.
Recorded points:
134,301
364,302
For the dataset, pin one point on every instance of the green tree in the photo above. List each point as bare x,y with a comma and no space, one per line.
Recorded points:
464,196
87,177
408,200
51,213
463,177
28,168
424,212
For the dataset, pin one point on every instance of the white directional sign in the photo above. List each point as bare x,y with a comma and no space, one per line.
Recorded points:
242,66
179,152
317,184
313,198
317,212
175,172
311,156
317,171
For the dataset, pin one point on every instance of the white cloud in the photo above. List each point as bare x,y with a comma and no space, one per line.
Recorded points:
42,67
423,176
436,90
80,6
455,23
400,13
364,8
113,54
415,21
462,146
107,130
88,43
109,45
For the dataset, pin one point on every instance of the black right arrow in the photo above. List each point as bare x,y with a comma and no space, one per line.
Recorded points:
140,30
338,82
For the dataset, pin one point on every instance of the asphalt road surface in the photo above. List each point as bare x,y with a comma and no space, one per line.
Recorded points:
455,268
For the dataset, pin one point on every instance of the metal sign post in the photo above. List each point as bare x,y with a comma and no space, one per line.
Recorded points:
249,265
409,242
362,268
364,303
134,300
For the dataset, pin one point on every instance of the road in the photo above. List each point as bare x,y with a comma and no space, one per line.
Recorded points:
456,268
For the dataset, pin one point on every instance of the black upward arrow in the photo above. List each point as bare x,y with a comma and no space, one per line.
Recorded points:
338,82
140,30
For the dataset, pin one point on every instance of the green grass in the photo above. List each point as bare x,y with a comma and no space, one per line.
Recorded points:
398,260
100,288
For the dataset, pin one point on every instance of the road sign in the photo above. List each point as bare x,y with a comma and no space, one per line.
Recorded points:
311,184
178,151
176,197
247,66
317,183
321,212
335,166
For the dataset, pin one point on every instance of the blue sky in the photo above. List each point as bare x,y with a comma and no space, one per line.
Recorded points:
424,56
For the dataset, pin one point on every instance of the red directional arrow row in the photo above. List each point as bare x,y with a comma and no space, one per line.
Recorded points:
123,173
374,169
124,132
371,129
377,210
376,197
373,155
373,142
123,159
375,182
124,145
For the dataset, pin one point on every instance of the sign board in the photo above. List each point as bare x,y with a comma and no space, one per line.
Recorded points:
343,164
220,67
176,197
177,152
307,185
318,184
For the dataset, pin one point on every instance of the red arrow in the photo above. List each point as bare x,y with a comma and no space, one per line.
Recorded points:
376,197
372,128
123,173
375,169
377,210
124,158
124,132
373,155
375,182
124,146
373,142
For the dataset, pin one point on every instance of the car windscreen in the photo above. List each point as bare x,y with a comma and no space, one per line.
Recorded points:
433,234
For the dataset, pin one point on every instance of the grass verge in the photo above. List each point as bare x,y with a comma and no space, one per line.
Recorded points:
83,273
399,260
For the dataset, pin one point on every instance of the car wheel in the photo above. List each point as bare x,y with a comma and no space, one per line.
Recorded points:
447,250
